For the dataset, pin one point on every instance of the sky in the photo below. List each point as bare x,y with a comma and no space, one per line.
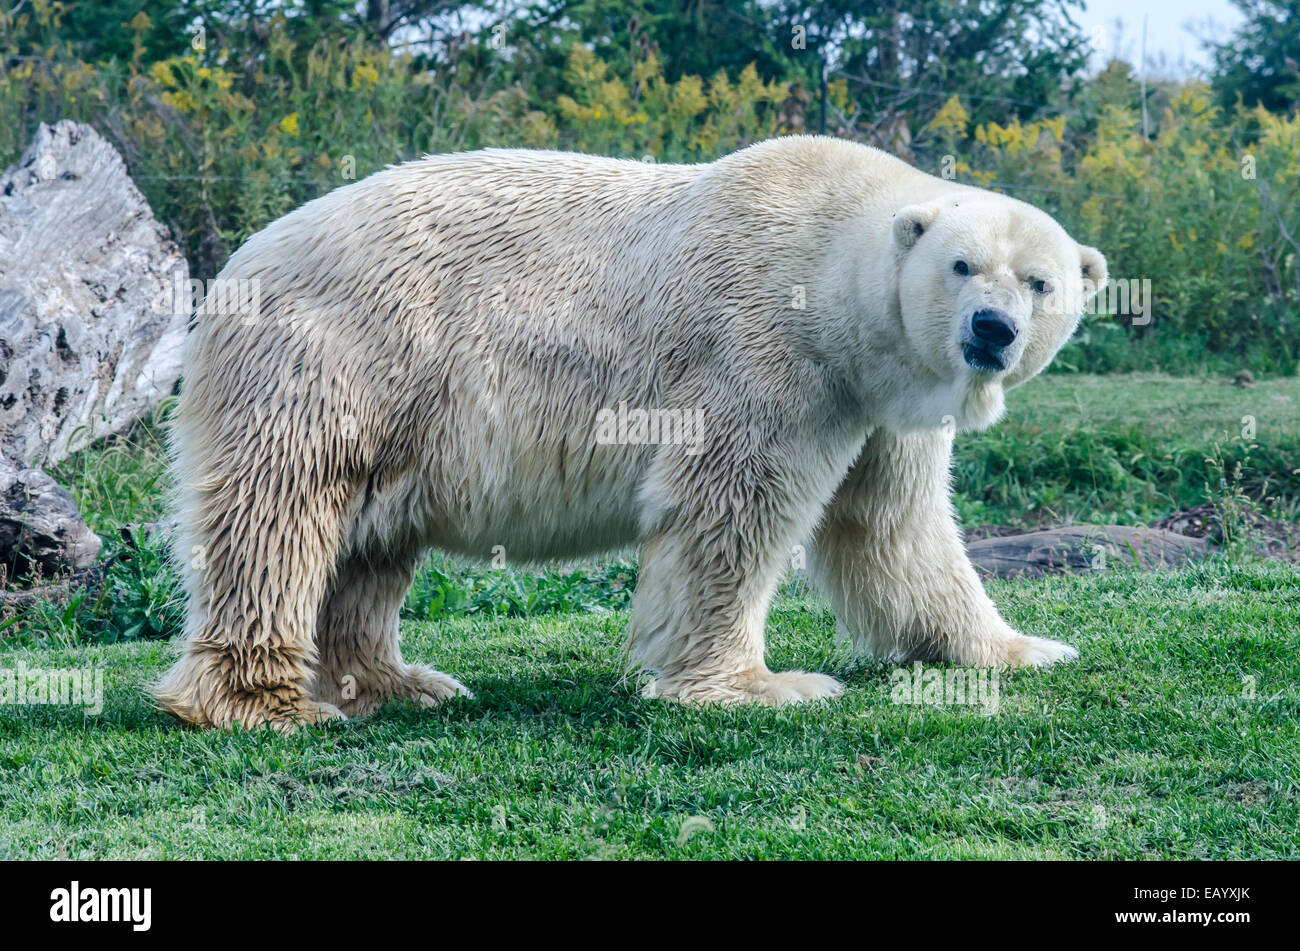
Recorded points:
1172,30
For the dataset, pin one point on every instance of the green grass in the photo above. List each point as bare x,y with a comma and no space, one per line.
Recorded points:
1103,346
1129,449
1148,747
1174,736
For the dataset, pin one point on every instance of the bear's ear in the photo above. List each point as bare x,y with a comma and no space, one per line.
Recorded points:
1094,270
910,223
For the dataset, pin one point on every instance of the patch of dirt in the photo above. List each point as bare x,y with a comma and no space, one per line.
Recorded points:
1250,794
1271,537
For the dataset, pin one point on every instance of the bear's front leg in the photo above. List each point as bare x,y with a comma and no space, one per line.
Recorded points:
890,558
720,527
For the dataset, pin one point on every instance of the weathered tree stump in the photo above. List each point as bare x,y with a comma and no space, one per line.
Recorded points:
1083,548
91,331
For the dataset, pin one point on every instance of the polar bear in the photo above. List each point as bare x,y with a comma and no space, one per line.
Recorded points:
433,355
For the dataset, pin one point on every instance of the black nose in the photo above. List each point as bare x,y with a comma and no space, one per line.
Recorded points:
993,328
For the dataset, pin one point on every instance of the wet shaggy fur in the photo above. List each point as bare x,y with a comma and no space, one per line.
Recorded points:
432,347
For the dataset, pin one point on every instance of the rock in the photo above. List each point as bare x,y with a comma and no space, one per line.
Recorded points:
40,527
90,336
1082,548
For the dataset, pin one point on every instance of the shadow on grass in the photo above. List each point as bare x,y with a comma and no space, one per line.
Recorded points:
605,698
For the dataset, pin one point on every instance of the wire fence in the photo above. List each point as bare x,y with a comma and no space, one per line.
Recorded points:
1006,100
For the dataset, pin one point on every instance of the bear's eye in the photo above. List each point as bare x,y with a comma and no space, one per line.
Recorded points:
1041,287
962,268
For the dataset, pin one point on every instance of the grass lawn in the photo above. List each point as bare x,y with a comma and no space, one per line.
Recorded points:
1129,449
1174,736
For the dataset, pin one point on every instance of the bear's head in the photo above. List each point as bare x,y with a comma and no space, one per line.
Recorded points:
989,290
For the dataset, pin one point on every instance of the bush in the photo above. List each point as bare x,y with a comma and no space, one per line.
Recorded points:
1206,212
448,587
223,142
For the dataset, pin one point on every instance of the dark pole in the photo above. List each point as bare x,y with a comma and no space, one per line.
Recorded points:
821,69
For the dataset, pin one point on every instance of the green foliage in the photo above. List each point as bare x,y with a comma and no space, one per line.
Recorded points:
682,121
138,599
280,106
122,480
1007,56
120,483
141,597
1086,450
1259,64
223,142
448,587
95,32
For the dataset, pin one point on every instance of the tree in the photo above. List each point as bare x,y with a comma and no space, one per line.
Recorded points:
1260,61
896,55
1002,56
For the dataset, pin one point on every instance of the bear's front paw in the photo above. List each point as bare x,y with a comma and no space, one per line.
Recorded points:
1025,651
761,687
793,686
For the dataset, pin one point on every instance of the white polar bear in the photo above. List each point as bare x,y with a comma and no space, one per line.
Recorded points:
438,357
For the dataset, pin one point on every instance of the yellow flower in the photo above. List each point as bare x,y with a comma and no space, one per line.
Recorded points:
289,124
180,101
951,118
365,73
161,72
1246,242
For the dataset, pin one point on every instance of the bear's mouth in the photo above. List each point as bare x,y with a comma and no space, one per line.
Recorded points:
976,356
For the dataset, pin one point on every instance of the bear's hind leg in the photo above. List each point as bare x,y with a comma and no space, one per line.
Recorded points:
256,567
360,664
